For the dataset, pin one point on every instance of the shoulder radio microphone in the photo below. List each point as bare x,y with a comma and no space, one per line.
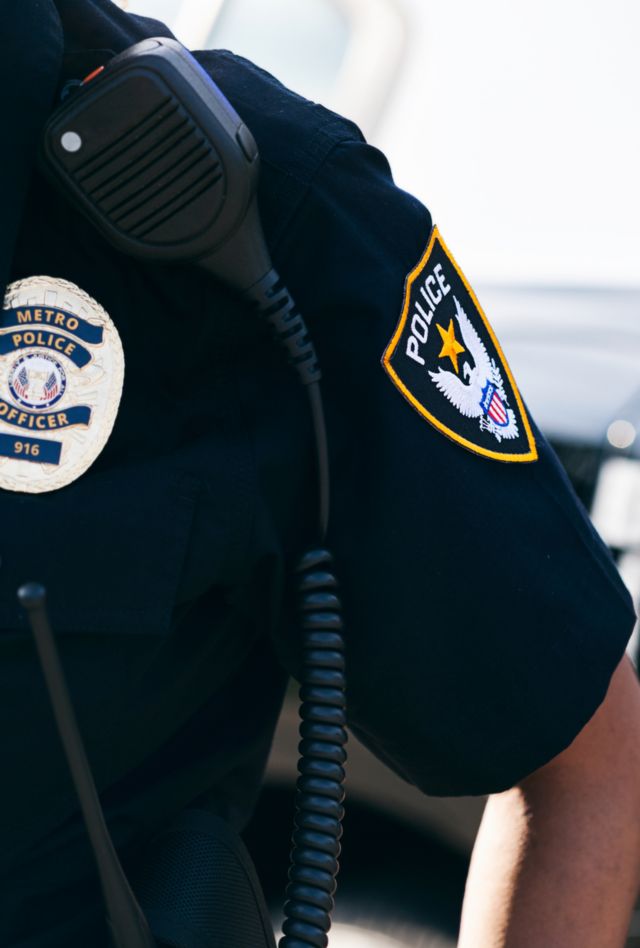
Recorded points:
150,150
161,163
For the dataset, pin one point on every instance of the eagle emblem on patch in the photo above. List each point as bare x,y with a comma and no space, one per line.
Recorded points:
446,361
61,378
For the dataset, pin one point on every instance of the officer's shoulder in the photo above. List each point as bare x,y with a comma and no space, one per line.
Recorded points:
293,134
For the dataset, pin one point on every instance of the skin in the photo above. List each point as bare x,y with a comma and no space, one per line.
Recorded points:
557,859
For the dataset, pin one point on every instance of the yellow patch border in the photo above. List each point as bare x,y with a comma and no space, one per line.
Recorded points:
532,454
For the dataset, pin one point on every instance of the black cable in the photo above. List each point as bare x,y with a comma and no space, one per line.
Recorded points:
322,456
128,925
320,786
275,304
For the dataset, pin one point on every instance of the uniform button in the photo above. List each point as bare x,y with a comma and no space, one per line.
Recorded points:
247,142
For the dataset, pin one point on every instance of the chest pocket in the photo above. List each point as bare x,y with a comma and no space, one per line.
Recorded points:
109,549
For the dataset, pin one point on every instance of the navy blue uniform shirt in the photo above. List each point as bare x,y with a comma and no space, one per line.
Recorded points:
485,617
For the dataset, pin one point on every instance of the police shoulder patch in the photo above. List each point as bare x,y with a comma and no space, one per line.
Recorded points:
446,361
61,377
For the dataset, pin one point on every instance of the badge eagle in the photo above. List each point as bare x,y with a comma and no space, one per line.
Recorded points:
446,361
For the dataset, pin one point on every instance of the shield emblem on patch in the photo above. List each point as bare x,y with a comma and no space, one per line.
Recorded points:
446,361
494,407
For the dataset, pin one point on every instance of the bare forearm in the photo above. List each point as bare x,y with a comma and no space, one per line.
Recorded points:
557,861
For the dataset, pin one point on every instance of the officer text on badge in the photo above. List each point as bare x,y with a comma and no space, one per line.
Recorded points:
446,361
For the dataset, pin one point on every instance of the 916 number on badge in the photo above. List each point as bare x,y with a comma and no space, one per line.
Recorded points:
30,449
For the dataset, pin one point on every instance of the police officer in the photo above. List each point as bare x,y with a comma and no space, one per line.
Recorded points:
486,621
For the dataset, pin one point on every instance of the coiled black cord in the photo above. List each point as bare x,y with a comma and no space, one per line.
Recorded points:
320,787
277,306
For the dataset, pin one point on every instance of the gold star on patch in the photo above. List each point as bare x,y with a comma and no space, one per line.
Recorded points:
451,348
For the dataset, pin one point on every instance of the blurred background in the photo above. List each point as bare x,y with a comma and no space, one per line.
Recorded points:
517,125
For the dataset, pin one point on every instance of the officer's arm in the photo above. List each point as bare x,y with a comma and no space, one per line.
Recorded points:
557,861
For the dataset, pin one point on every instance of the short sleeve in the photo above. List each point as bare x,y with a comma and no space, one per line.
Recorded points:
485,616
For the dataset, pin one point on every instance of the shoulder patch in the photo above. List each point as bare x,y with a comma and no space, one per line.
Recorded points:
446,361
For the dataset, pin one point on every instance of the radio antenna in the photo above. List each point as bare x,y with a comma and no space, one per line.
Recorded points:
129,928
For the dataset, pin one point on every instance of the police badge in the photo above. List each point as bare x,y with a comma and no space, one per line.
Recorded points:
61,377
448,364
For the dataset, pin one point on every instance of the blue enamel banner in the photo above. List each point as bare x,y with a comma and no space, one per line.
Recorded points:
27,338
30,449
44,421
43,318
